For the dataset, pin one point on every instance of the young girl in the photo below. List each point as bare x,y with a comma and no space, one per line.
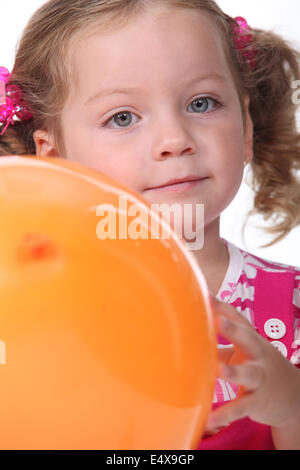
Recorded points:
152,91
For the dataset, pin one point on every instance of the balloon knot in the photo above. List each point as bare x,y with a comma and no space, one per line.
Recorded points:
35,246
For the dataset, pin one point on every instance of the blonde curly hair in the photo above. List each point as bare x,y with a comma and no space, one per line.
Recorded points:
43,73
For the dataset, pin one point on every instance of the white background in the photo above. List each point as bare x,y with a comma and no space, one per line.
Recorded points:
281,16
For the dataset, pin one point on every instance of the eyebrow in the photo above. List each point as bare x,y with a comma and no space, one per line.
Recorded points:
130,90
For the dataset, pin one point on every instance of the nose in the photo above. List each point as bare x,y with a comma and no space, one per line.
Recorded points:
172,139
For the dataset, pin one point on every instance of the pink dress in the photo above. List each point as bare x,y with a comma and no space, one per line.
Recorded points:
268,295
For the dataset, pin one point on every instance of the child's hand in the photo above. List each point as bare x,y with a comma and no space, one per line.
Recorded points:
271,384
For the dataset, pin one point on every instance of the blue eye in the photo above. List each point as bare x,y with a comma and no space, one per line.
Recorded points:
123,119
201,105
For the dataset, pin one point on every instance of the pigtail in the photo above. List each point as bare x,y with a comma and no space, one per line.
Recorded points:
17,139
273,107
16,118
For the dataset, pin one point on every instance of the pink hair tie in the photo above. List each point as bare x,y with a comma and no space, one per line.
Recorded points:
244,41
12,105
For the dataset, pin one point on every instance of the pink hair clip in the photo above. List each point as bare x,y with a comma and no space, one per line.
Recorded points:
11,103
244,41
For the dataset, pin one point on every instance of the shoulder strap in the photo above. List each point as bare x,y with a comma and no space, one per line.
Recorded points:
273,308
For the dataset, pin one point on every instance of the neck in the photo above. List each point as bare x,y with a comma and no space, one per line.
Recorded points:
213,258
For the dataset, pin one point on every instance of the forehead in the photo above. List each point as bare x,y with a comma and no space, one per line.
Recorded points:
155,45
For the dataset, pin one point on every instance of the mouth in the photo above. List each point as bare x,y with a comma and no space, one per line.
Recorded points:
179,185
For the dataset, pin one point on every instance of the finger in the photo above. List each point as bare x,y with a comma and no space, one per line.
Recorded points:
225,354
223,309
243,336
225,415
249,375
224,357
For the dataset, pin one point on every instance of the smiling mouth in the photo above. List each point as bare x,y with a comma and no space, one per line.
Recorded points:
178,187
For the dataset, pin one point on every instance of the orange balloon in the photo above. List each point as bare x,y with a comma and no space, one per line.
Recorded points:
104,343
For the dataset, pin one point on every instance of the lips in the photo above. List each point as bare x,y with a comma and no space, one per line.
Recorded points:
177,181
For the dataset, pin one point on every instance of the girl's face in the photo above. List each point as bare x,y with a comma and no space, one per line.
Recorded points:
154,101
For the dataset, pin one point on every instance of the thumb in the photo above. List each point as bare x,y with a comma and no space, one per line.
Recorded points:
225,415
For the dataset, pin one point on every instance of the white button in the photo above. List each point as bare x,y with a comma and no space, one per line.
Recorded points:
295,359
280,347
275,328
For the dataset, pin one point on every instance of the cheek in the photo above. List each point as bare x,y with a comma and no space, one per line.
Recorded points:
233,135
229,165
228,146
226,160
114,161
